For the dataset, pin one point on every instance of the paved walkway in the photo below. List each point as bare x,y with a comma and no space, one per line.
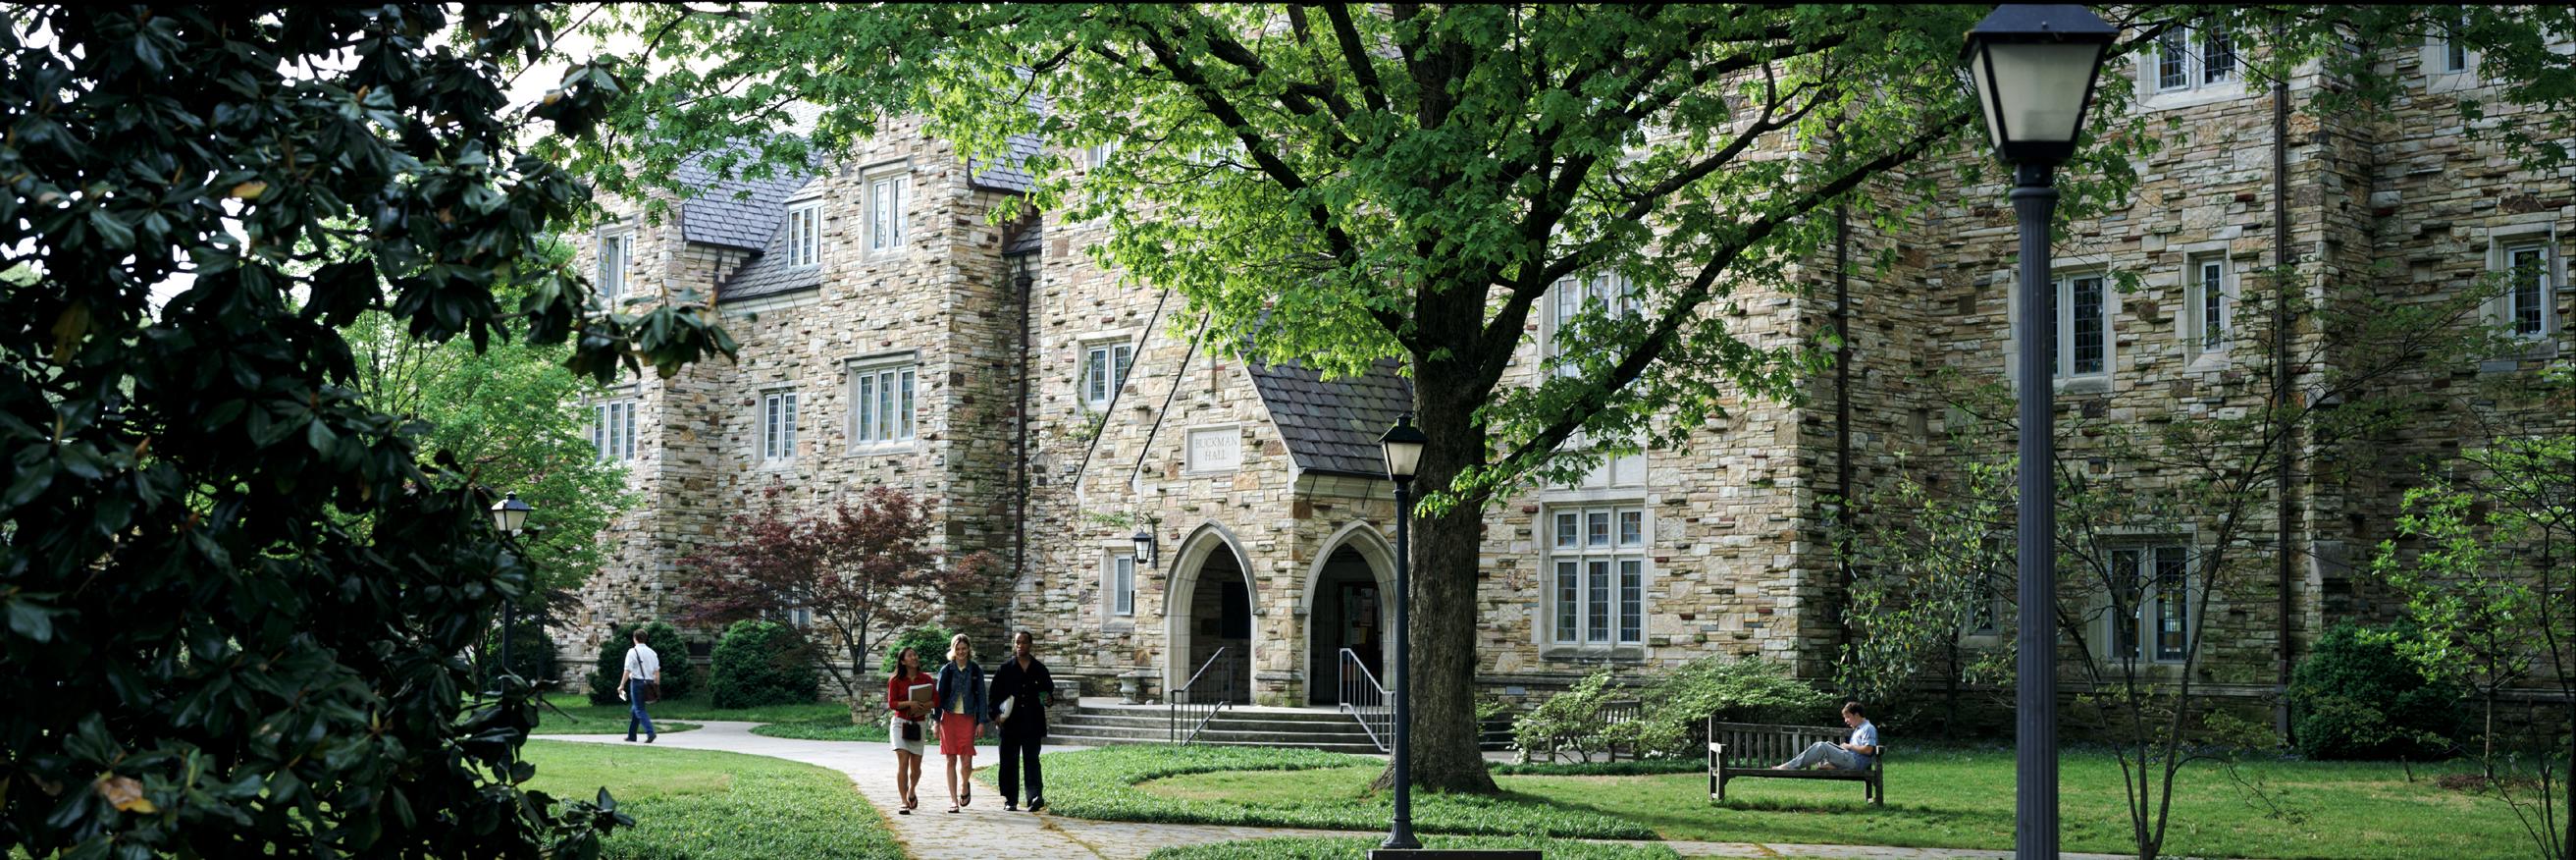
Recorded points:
984,832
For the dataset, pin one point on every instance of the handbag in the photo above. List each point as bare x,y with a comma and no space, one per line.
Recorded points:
911,730
652,692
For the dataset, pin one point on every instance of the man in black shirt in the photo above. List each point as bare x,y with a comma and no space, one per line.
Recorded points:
1023,685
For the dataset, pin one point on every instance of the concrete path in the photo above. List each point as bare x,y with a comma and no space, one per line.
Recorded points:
983,831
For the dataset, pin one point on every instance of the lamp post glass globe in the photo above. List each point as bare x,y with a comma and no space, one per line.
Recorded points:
1144,546
2032,68
1403,447
509,513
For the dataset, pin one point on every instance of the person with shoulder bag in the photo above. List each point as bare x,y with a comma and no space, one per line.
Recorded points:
640,683
908,727
962,717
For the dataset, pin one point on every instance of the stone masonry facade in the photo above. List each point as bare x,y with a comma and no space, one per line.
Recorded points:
1271,536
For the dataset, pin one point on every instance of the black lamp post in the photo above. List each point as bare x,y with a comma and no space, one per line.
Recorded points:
1403,443
508,515
2032,70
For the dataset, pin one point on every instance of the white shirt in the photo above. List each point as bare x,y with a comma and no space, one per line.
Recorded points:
642,664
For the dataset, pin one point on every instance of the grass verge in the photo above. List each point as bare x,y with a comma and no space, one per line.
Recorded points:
585,718
1114,784
702,805
1964,799
1358,847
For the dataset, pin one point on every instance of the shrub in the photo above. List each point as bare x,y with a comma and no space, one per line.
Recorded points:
761,663
1674,704
932,641
679,678
2358,697
1570,720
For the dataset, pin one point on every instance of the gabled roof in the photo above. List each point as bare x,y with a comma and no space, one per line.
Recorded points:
768,273
718,217
1011,173
1333,426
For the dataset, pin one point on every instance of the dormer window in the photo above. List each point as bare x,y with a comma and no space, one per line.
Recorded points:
805,233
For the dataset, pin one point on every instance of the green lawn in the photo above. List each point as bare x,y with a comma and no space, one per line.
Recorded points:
701,805
590,719
1958,799
1104,784
1358,847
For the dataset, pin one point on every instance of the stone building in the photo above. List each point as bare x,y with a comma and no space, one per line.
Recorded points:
892,335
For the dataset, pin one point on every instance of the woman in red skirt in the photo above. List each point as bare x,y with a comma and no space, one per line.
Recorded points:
961,718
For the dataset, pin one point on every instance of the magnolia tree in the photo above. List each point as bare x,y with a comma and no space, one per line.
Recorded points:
863,571
1344,183
237,593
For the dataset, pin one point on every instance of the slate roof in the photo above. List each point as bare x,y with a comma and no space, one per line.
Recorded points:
1010,174
740,212
1030,238
769,274
1332,426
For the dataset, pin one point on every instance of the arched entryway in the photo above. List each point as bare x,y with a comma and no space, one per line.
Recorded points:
1348,597
1211,608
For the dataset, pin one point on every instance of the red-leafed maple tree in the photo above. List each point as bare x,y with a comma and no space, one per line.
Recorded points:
863,570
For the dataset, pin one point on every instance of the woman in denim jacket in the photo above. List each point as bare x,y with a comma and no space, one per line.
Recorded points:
961,718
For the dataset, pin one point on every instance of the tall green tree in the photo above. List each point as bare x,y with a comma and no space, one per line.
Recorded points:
235,594
1340,183
515,417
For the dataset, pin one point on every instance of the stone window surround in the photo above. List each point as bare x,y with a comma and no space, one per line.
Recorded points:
2151,97
2065,275
805,239
1189,458
609,416
2539,228
1542,631
851,370
622,237
2098,606
1999,623
869,176
2434,60
1113,620
1083,347
1549,307
2188,318
2145,544
794,405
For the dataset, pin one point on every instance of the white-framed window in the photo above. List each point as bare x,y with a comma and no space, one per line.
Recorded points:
1568,299
2151,618
778,427
1119,582
612,430
615,249
2209,303
800,616
1096,155
2190,58
805,233
889,198
2450,52
2529,305
2079,338
1596,565
1104,369
1616,470
882,402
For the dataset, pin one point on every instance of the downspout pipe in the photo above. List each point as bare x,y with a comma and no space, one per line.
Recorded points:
2282,258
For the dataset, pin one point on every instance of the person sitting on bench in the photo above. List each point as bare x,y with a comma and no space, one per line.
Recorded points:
1858,754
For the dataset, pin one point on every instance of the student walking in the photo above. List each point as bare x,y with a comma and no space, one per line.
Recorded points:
1020,691
962,717
908,726
642,680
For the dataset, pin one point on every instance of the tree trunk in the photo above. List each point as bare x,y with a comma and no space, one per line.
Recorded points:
1445,753
2567,844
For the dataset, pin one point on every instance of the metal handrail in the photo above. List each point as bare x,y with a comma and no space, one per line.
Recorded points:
1179,701
1365,700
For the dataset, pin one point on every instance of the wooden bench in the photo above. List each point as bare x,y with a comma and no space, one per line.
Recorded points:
1737,750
